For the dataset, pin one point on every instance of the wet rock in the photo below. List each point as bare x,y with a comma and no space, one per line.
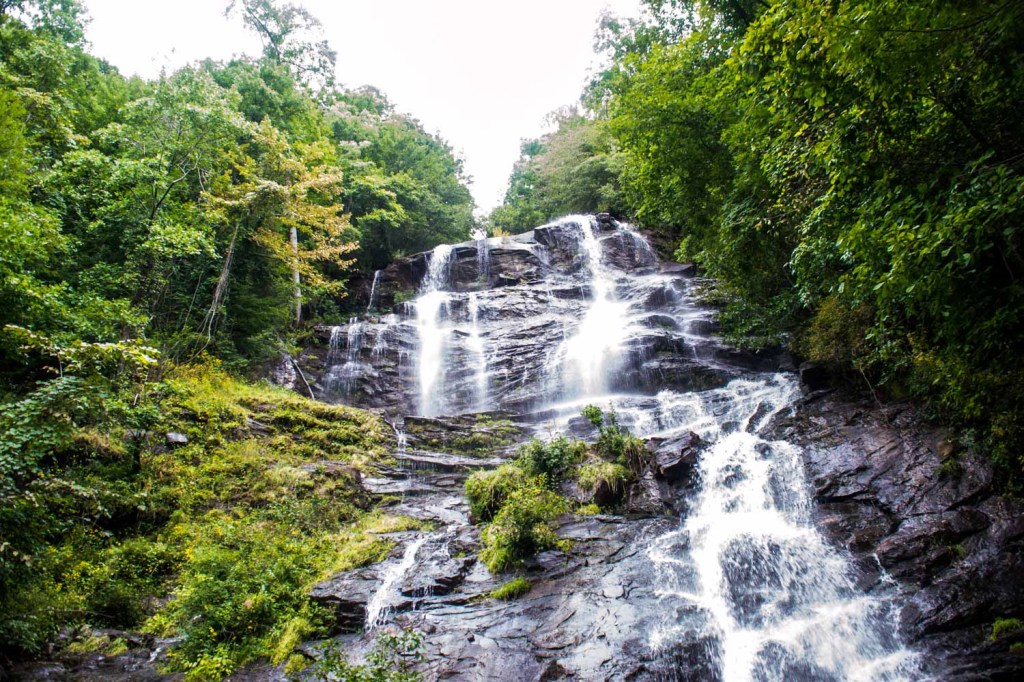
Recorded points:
479,434
649,496
952,543
675,459
438,574
814,377
681,269
346,596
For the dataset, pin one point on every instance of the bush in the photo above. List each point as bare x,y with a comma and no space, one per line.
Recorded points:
393,659
594,473
488,490
550,459
614,441
522,527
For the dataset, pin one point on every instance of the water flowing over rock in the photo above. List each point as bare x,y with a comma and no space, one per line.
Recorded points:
756,544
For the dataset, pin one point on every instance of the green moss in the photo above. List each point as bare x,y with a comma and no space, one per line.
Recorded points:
1006,626
513,589
216,541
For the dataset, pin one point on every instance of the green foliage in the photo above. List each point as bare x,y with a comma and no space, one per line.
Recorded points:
393,659
614,441
593,473
852,200
522,527
513,589
488,490
574,169
550,459
235,525
1006,626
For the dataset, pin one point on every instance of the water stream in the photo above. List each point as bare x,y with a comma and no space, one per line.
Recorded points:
743,584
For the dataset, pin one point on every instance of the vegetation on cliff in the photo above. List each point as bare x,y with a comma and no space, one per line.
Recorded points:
159,240
849,173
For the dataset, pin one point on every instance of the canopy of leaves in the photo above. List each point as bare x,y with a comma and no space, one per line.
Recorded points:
861,156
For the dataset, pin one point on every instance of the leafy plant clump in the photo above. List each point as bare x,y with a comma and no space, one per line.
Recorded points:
595,474
393,659
522,528
550,459
488,490
1006,626
513,589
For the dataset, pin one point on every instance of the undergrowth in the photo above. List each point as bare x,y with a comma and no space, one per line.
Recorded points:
215,541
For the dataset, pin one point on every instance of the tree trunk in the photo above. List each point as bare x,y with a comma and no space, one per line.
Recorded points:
294,233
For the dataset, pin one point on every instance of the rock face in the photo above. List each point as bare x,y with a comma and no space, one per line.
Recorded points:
502,334
955,548
808,524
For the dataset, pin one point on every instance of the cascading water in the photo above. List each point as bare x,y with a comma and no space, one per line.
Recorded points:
430,309
475,344
776,601
377,608
345,367
374,293
592,351
579,312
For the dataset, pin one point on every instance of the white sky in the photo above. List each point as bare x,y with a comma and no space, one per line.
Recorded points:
481,73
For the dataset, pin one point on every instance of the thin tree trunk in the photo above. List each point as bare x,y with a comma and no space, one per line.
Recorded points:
220,289
294,233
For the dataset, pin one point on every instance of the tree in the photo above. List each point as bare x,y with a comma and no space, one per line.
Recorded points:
291,36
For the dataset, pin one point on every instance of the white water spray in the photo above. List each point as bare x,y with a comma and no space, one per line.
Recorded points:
430,306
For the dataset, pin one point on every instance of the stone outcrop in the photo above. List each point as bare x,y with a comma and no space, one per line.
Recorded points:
934,525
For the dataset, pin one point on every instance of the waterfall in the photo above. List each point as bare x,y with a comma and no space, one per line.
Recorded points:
592,351
377,608
743,587
483,258
430,308
372,304
775,595
475,344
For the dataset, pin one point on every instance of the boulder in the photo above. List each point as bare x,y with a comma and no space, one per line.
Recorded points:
675,459
649,496
346,596
175,439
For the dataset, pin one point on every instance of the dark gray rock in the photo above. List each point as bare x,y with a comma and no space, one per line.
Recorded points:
346,597
649,496
814,377
675,459
955,545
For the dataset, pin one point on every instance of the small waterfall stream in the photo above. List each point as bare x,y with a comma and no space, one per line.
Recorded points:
742,587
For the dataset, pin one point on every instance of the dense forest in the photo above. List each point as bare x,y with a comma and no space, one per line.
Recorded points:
157,239
848,172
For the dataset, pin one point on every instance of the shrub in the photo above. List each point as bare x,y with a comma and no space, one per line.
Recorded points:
513,589
550,459
614,441
522,527
393,659
594,473
488,490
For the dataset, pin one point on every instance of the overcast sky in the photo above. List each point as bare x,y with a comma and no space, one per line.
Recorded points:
481,73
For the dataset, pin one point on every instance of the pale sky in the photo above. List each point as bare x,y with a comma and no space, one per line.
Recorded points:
481,73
